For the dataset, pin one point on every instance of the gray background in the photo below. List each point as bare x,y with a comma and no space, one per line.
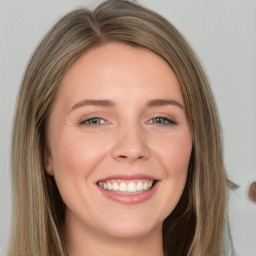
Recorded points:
222,32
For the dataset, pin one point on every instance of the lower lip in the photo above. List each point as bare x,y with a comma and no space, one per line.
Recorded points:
130,199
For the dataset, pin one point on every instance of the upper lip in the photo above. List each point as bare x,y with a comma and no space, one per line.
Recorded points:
137,176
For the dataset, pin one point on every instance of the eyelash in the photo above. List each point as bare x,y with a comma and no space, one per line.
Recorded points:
86,122
94,120
167,121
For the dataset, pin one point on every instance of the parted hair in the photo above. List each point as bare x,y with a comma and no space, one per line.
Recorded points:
195,226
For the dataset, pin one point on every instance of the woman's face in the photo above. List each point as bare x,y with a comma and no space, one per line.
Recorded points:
119,142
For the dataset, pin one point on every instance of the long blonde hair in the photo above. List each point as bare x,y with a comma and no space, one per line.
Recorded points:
195,227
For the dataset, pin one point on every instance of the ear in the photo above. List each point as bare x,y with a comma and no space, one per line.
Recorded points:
48,165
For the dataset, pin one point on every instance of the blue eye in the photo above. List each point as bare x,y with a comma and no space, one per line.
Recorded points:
162,121
93,121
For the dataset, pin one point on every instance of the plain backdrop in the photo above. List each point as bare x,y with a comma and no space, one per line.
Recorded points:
223,34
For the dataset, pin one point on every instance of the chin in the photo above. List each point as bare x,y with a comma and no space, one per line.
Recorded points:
132,232
128,226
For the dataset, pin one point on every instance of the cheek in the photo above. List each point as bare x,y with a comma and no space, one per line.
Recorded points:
75,158
174,153
174,156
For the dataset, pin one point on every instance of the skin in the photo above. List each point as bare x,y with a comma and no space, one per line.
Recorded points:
128,139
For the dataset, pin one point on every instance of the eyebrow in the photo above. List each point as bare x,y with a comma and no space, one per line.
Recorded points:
101,103
164,102
108,103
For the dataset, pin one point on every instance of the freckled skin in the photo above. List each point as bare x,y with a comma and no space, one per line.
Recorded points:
126,142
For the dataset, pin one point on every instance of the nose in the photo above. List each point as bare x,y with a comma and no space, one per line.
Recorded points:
131,145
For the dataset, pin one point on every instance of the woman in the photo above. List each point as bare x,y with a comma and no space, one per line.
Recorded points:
116,142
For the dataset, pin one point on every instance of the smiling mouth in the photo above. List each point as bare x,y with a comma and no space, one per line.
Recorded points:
127,186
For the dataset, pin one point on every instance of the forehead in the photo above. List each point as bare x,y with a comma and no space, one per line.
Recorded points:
116,69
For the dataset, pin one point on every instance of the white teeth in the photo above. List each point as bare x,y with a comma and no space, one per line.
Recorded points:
150,184
132,187
139,186
115,186
126,186
122,187
109,186
145,186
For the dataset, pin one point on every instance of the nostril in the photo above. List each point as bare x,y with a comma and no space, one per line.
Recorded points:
126,157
